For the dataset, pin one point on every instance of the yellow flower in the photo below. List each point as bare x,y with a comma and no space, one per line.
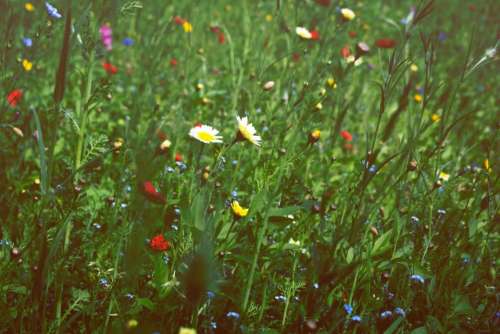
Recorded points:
331,82
314,136
486,164
184,330
132,323
413,68
347,14
29,6
435,118
27,65
303,33
188,27
269,17
118,143
444,176
418,98
247,131
318,106
238,210
206,134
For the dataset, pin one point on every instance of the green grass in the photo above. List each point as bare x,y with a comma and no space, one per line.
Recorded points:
333,223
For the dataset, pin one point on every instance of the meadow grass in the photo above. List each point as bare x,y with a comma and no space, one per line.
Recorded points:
249,166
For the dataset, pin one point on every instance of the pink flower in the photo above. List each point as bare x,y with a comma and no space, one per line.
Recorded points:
106,36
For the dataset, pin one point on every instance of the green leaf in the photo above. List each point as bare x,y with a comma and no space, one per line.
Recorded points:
392,328
419,330
145,302
382,244
350,255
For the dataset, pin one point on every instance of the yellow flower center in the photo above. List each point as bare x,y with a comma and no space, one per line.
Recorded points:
206,136
245,133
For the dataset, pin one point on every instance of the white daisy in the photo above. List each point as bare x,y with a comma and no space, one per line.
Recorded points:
303,32
247,131
205,134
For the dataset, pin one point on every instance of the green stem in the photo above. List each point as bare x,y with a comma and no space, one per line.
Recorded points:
83,113
248,288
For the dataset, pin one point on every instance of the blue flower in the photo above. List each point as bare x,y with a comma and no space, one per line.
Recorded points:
356,318
348,308
234,315
399,311
442,36
417,279
210,294
386,314
127,41
104,282
52,11
28,42
234,194
213,325
372,169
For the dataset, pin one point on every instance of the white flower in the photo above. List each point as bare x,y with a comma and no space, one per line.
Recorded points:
247,131
303,32
205,134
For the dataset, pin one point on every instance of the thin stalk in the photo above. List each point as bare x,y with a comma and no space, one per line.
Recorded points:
84,112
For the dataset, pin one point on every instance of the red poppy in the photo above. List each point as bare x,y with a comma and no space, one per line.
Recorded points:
149,190
109,68
325,3
14,97
179,20
346,135
173,62
314,35
215,29
353,34
385,43
159,244
221,37
345,52
178,157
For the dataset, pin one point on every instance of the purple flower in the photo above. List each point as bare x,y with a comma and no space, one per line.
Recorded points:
399,311
28,42
356,318
348,308
417,279
442,36
234,315
106,36
386,315
127,41
52,11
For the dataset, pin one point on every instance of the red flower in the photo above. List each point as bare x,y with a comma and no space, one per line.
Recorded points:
353,34
296,57
345,52
159,244
215,29
149,190
221,38
178,157
346,135
109,68
179,20
325,3
314,35
14,97
385,43
173,62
